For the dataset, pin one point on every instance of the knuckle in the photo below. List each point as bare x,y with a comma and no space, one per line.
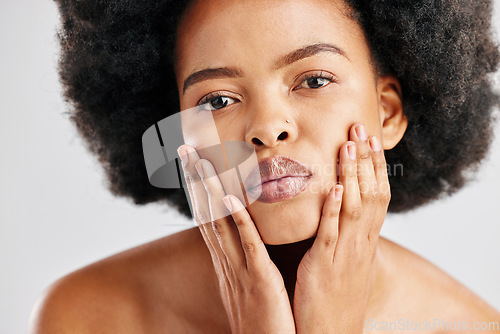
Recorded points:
385,197
385,187
192,175
249,247
380,164
355,212
365,155
332,213
218,227
330,240
378,197
373,197
256,289
239,221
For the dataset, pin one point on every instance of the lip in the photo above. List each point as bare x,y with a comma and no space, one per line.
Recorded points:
281,178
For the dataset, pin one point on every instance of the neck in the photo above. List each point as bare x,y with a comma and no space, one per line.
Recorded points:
287,258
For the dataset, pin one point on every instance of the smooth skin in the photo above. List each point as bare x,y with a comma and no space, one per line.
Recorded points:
216,277
335,276
274,84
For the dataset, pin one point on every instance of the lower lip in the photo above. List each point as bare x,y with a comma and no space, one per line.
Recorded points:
282,189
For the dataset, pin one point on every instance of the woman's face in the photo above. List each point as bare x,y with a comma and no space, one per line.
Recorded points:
304,61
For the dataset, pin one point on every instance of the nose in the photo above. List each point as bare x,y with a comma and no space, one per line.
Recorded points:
270,125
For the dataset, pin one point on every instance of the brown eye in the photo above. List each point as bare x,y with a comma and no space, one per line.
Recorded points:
219,102
315,82
216,102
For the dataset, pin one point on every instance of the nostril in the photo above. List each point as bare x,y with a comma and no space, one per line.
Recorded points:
283,135
256,141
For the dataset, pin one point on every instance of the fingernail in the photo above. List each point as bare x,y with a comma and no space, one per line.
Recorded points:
375,144
338,192
199,169
351,150
183,155
361,132
228,204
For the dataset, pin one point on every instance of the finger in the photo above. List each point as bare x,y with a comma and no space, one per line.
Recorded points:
384,188
251,242
328,231
199,197
348,178
222,221
213,187
366,174
199,200
202,227
351,208
216,258
379,165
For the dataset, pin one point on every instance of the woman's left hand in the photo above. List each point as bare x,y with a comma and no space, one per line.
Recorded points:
335,276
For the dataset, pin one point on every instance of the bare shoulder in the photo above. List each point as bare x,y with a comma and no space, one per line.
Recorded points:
420,288
130,292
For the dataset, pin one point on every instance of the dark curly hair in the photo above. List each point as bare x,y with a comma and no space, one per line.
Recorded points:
117,70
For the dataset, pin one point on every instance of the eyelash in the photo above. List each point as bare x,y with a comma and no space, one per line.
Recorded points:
212,96
327,76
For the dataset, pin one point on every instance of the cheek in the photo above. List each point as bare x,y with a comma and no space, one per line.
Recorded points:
231,127
333,114
358,97
198,129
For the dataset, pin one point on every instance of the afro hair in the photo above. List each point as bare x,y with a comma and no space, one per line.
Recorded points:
117,71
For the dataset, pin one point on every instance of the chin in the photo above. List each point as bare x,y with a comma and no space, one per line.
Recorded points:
288,221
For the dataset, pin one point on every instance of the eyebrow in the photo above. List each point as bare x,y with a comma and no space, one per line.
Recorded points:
232,72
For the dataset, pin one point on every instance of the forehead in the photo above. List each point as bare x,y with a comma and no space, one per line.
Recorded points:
217,33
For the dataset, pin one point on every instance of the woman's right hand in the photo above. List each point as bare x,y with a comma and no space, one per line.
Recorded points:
251,286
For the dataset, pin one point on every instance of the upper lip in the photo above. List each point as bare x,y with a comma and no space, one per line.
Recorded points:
277,167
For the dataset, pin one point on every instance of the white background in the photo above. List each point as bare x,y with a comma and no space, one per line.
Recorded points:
56,214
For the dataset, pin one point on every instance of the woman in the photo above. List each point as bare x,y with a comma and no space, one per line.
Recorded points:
306,83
